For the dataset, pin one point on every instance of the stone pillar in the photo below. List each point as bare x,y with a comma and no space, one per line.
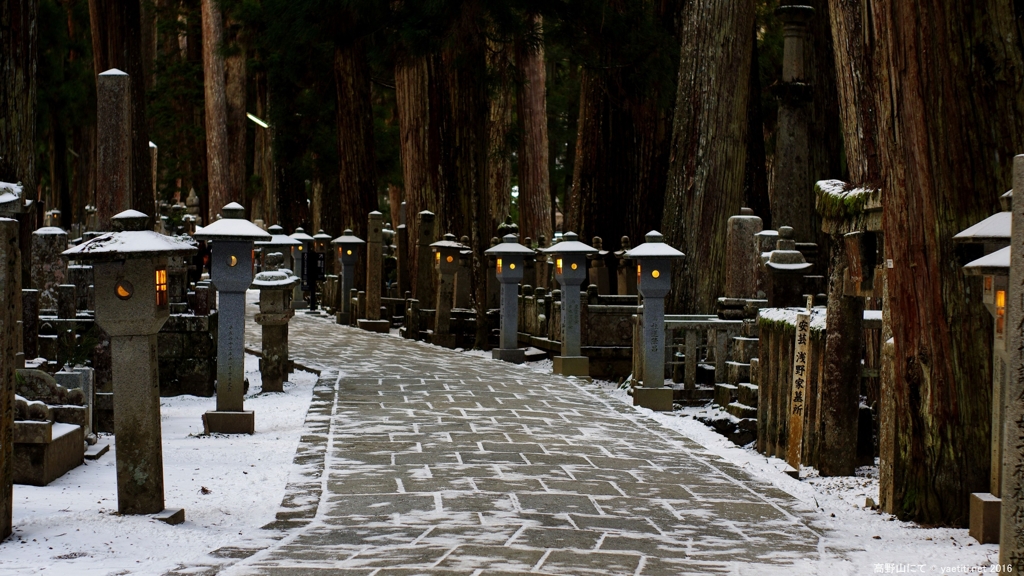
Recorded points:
374,264
49,270
463,291
275,312
792,200
425,259
66,299
10,292
598,269
741,254
1011,538
403,254
113,145
625,270
443,308
30,323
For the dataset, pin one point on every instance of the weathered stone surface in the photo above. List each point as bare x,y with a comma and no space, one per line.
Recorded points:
49,270
741,254
113,146
40,463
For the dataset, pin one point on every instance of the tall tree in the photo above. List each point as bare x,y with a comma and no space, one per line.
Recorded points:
18,36
235,88
217,151
950,116
534,177
117,43
709,146
356,168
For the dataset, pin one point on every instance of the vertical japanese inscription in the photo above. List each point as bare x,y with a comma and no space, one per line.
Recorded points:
798,392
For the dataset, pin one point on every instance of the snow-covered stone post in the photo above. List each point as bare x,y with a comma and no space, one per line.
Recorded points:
654,279
741,254
113,145
348,245
446,257
49,270
275,288
231,265
570,257
1011,537
131,306
300,256
374,270
509,256
10,292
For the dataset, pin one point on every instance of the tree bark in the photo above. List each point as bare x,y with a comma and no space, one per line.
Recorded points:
217,152
117,43
356,169
950,117
234,97
264,204
534,179
18,92
709,145
500,56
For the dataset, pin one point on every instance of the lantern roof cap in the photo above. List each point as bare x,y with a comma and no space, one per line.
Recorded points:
570,244
995,228
130,244
348,237
232,228
994,264
301,235
50,230
278,238
274,279
321,235
509,246
654,247
449,242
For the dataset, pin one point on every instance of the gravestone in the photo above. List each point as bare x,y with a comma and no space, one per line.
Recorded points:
374,269
113,146
49,270
10,290
741,254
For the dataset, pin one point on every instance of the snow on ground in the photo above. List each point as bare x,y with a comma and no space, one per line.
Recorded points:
229,486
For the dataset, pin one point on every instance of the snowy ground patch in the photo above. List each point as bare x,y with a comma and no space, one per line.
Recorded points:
230,486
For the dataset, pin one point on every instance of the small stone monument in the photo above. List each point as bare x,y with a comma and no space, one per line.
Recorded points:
654,279
231,264
275,288
283,244
598,268
570,270
299,262
741,254
464,276
425,258
625,274
113,145
446,258
786,268
348,245
509,257
49,270
130,267
374,269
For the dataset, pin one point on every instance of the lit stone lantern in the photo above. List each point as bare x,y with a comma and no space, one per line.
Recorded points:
570,258
130,268
347,247
282,243
275,288
446,260
653,280
231,265
316,262
299,257
509,256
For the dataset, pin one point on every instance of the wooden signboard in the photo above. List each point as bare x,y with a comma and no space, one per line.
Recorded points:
799,390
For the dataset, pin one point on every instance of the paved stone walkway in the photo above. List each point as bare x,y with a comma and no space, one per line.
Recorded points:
418,460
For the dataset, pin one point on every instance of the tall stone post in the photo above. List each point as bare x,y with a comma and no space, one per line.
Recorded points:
153,159
598,269
1011,538
463,278
570,270
741,254
403,253
509,257
49,270
10,293
275,288
113,145
792,192
446,255
625,272
348,245
424,258
30,322
374,269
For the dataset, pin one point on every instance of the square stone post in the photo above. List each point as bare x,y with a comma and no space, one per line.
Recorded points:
374,270
1011,538
348,245
113,145
509,257
424,258
10,292
741,254
570,257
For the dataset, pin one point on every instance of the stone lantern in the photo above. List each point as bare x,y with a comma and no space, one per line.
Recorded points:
653,280
299,262
275,288
509,256
130,268
231,265
281,242
316,263
446,260
348,245
570,257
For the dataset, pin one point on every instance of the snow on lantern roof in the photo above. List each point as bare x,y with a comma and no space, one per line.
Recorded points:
347,237
274,279
278,238
448,242
322,236
233,226
994,264
54,230
301,235
570,244
10,192
507,247
130,244
654,247
995,228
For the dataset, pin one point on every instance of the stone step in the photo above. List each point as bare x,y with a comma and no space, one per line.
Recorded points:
755,371
748,394
693,397
743,348
741,410
725,394
736,372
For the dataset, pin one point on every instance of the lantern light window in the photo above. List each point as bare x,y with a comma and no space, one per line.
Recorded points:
499,265
124,289
161,288
1000,313
558,265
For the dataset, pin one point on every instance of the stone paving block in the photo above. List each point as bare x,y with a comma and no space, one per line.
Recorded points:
499,558
556,504
379,504
558,538
584,488
570,562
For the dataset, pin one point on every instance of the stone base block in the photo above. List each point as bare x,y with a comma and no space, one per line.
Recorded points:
171,516
741,410
381,326
725,394
96,450
38,464
443,340
748,394
985,512
229,422
572,365
513,355
657,399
